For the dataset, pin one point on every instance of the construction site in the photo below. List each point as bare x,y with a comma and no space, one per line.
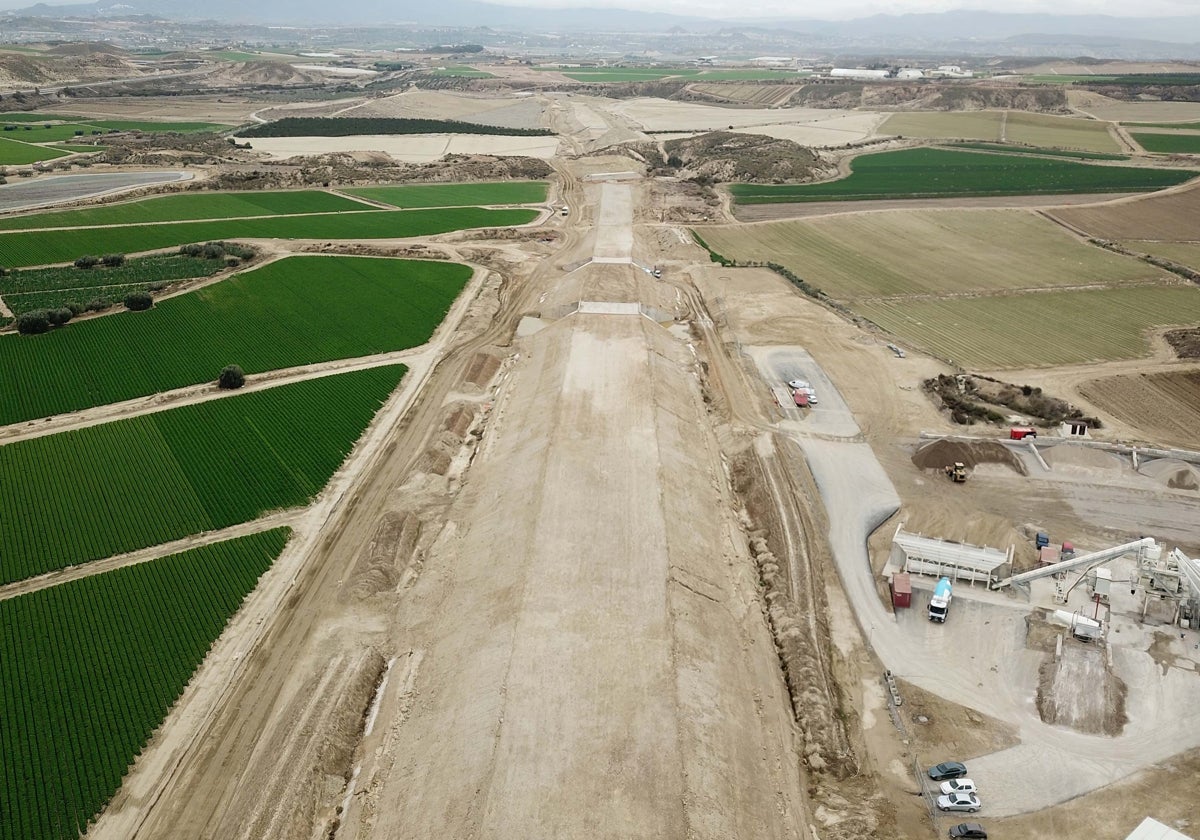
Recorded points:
650,546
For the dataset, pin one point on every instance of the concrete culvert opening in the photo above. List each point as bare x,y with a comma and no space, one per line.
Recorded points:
1173,473
940,454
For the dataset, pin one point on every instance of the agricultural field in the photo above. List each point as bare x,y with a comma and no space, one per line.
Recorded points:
763,95
49,127
48,288
16,153
1170,217
1041,329
104,490
653,74
1170,144
462,72
355,126
1010,149
920,173
1165,405
1184,253
30,248
189,206
1009,126
1187,126
296,311
90,668
932,252
36,117
410,196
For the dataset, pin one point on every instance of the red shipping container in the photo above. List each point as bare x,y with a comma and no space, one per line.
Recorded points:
901,590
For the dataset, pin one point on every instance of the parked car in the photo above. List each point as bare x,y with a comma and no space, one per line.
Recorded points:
959,802
798,385
959,786
968,831
947,770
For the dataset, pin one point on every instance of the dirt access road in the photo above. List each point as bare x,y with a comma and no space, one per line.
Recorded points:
563,639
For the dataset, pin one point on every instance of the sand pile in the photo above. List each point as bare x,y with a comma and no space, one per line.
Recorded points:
943,453
1173,473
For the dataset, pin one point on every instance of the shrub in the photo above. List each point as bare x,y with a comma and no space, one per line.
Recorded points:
113,260
59,316
87,261
75,306
97,304
231,377
138,301
32,323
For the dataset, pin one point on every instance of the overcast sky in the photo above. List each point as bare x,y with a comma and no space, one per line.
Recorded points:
858,8
841,9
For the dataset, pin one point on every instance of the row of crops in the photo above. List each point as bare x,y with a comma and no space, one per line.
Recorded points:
296,311
30,248
411,196
182,207
928,173
108,489
90,668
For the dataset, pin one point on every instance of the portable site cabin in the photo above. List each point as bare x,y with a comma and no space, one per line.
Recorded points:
901,590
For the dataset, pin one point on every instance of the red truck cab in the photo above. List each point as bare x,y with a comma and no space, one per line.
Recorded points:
1021,432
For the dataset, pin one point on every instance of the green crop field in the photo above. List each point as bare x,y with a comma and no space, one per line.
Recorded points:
1063,79
1038,329
1186,144
41,133
462,72
456,195
38,117
922,173
90,668
932,252
1186,126
189,206
17,153
297,311
29,248
1033,150
104,490
50,288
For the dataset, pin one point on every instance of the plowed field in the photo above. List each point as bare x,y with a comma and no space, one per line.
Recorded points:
1164,405
1164,218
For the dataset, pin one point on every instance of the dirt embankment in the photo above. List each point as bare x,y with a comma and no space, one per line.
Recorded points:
1078,689
1185,343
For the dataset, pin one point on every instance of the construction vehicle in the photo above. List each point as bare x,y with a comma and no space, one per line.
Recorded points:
939,604
958,472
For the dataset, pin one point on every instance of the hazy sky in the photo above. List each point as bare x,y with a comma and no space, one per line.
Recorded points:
857,8
840,9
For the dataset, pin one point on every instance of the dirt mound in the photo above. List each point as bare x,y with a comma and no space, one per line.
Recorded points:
944,453
88,48
262,73
1176,474
723,156
1185,343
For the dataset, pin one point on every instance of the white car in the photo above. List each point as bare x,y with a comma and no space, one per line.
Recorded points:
959,802
959,786
799,385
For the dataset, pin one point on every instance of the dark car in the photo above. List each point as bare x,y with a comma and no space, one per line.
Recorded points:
969,831
947,770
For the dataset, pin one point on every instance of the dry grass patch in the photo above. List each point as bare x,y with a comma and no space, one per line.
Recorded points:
965,125
1061,132
1043,329
930,252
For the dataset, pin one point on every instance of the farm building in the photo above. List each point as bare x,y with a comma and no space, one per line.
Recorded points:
857,73
910,73
920,555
